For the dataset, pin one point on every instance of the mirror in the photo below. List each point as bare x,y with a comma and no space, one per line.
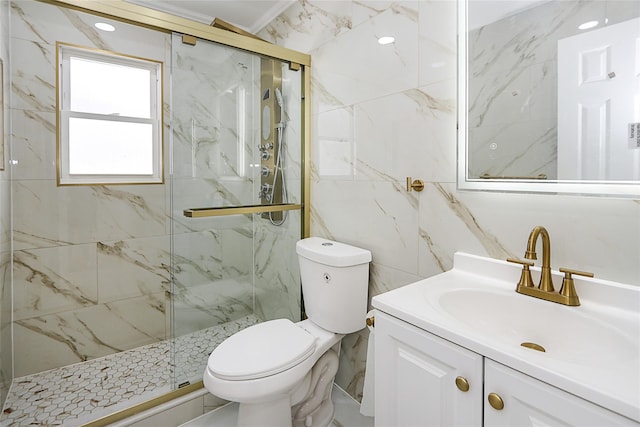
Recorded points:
549,96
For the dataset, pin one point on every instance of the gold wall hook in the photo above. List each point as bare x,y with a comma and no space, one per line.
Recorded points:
417,185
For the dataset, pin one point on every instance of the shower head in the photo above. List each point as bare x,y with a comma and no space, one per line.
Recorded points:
279,98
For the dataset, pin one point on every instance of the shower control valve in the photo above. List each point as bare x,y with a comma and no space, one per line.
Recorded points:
265,171
265,155
264,195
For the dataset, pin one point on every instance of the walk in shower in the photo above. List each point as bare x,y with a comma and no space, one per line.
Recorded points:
118,293
236,146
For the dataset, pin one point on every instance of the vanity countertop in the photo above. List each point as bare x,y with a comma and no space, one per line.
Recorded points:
592,351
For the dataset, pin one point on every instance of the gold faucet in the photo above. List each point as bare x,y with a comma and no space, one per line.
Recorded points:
545,290
546,283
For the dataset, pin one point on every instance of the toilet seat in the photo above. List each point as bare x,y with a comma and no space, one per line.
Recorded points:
261,350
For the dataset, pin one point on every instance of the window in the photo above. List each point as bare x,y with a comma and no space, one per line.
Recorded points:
110,118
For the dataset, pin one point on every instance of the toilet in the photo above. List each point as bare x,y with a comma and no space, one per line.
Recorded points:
281,373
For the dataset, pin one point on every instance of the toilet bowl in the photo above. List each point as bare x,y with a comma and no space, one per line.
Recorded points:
280,372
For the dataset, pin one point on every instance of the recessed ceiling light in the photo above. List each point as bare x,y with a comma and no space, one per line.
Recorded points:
386,40
104,26
588,25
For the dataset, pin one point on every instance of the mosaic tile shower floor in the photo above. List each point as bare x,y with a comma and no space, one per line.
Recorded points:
76,394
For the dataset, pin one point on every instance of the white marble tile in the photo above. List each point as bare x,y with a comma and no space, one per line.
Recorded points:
277,277
309,24
221,301
46,215
33,74
47,342
44,23
334,148
379,216
447,225
53,280
353,356
6,333
208,256
438,45
344,76
132,268
32,135
407,134
383,279
5,215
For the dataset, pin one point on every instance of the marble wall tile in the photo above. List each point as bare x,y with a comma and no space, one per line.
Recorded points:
340,207
51,280
352,362
333,148
438,45
213,275
64,338
43,23
208,256
6,344
33,150
398,135
276,268
6,337
215,303
46,215
132,268
309,24
343,76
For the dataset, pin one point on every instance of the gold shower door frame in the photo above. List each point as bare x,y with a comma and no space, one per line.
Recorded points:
164,22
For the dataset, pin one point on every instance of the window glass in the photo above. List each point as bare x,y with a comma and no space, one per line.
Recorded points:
110,148
104,88
109,109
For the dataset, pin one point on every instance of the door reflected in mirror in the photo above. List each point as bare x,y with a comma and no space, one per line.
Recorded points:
550,96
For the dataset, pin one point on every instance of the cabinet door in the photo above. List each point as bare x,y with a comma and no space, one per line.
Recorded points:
415,378
531,402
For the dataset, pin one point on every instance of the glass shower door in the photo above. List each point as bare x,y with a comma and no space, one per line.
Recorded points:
235,153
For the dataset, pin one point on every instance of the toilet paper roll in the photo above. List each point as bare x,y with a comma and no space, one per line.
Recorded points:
367,404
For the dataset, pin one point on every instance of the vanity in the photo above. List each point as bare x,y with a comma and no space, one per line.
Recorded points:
464,348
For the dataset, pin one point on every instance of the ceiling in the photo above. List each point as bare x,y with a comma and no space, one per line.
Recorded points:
250,15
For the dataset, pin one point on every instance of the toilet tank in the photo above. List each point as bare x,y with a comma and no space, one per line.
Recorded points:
335,283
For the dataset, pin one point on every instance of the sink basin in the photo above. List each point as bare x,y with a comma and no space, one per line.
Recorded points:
591,351
565,333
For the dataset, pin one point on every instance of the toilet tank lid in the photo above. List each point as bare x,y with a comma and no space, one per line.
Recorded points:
332,253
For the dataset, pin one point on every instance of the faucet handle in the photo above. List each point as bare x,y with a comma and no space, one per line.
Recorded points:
525,277
568,289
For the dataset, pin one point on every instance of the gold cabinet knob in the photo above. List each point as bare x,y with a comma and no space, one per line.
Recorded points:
462,384
496,401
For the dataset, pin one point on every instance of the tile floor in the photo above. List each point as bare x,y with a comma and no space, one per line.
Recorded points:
347,414
76,394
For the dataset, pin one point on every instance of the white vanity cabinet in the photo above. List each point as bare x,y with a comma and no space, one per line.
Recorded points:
417,379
